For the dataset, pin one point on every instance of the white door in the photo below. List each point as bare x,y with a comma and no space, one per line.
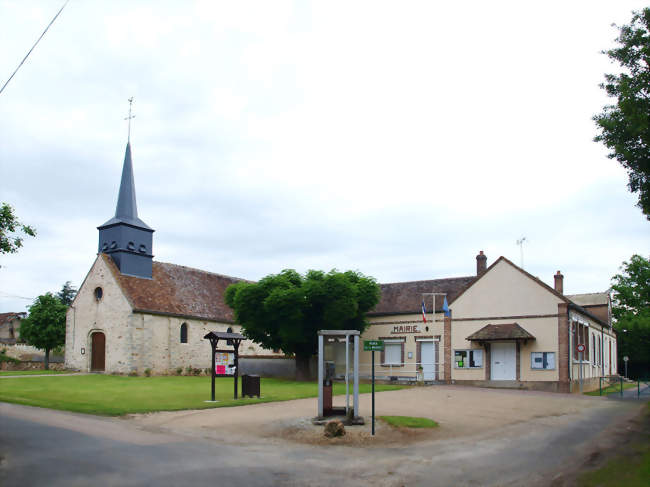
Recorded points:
503,361
428,360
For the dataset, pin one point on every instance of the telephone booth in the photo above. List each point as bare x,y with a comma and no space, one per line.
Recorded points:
338,359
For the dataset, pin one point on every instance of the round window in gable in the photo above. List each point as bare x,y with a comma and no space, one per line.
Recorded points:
98,293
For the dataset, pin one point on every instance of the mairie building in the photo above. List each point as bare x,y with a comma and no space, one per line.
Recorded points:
503,328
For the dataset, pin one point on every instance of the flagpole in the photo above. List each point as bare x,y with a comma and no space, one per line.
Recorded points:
433,298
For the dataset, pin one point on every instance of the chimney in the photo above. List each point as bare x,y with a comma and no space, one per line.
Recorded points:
481,263
559,282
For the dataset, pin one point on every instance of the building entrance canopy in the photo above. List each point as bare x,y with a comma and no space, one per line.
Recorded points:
503,332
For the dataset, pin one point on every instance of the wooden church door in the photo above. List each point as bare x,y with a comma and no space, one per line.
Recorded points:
97,362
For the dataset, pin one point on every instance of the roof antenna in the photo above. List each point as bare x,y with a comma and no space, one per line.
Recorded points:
520,242
129,118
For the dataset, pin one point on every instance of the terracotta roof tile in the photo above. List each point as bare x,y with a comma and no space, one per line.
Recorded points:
7,317
178,291
406,297
505,331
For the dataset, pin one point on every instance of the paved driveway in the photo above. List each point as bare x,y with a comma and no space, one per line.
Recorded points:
486,437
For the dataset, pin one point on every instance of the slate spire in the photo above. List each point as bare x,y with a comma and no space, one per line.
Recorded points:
126,238
126,210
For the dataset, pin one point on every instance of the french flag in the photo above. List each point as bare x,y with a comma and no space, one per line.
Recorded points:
424,312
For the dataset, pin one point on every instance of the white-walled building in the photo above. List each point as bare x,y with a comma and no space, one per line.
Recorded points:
505,328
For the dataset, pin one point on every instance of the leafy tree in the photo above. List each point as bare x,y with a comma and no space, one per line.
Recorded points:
625,126
631,311
67,293
45,326
285,311
10,230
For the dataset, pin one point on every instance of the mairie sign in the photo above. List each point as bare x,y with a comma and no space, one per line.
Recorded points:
373,345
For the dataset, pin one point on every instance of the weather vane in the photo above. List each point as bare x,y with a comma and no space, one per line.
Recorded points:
130,117
520,242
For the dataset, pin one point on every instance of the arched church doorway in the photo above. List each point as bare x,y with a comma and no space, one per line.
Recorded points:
98,350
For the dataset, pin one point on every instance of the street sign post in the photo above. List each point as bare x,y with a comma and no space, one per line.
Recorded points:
373,346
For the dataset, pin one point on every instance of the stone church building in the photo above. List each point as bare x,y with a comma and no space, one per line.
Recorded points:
132,313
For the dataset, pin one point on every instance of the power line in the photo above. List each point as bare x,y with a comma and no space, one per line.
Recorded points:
7,295
30,51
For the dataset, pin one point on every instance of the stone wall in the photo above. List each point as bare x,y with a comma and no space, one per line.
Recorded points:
137,341
31,365
108,314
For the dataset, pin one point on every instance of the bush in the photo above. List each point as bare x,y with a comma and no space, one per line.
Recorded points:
188,370
197,371
6,358
147,372
133,373
179,371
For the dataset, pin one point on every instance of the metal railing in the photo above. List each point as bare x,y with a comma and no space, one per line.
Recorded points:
611,383
614,385
413,371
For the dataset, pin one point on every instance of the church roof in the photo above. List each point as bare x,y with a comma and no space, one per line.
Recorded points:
127,208
176,290
406,297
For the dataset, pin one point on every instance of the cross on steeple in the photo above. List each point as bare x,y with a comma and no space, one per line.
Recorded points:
130,117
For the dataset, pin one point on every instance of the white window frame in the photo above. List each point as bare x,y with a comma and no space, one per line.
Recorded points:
396,342
532,361
469,351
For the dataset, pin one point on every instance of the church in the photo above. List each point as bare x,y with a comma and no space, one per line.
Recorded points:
133,314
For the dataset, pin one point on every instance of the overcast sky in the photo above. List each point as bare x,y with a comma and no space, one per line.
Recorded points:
394,138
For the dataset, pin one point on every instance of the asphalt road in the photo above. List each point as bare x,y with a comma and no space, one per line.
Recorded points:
45,447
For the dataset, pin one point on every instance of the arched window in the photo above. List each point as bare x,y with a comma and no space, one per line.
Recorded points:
184,333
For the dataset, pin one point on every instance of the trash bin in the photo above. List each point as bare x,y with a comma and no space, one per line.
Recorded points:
250,385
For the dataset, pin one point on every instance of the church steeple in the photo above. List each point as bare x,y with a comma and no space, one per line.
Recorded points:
126,210
126,238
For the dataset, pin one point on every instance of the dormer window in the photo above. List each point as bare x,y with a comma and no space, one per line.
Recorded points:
142,249
130,246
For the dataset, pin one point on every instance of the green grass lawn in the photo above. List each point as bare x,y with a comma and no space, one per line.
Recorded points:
409,422
114,395
612,389
32,372
630,468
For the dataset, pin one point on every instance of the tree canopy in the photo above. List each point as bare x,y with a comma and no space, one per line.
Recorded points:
631,312
45,326
625,126
11,230
67,293
285,311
